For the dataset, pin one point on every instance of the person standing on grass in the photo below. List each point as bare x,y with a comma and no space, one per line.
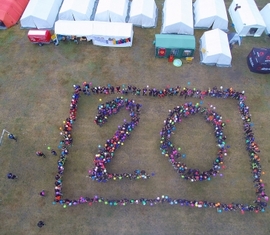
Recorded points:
42,193
53,152
40,224
12,137
11,176
40,154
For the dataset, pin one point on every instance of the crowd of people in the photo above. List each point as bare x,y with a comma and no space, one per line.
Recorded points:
171,152
105,154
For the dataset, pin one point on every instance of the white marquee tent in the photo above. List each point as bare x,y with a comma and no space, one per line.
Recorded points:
265,12
76,10
143,13
246,18
177,17
210,13
111,34
40,14
214,48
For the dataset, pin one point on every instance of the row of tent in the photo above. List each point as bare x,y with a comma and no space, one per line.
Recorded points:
182,16
42,14
179,16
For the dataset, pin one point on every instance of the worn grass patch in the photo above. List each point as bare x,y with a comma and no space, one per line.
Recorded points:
35,91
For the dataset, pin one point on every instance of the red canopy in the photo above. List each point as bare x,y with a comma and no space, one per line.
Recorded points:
11,11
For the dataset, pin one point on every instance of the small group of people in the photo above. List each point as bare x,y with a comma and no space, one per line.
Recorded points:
171,152
10,175
105,154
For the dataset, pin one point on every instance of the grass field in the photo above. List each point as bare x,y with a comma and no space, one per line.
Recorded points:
35,92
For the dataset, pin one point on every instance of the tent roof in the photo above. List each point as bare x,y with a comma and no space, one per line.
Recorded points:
40,13
75,5
262,54
103,6
119,7
178,11
214,48
70,27
205,9
142,7
93,28
216,42
143,13
265,12
11,11
249,12
175,41
76,9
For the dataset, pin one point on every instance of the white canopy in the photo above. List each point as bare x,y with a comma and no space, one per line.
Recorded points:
246,18
143,13
178,17
265,12
40,14
74,28
76,10
210,13
214,48
101,33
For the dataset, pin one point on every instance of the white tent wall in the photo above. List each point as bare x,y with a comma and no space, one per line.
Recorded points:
246,18
106,31
103,10
99,32
118,10
143,13
265,12
40,14
76,10
177,17
214,48
210,13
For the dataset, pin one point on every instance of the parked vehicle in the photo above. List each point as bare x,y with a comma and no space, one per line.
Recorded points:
42,37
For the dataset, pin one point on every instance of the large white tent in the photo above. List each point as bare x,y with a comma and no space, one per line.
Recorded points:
40,14
177,17
214,48
210,13
76,10
265,12
143,13
246,18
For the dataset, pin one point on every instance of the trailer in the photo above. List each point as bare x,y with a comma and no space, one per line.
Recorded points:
42,37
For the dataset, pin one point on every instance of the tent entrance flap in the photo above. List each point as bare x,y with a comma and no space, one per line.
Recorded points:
252,31
2,25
